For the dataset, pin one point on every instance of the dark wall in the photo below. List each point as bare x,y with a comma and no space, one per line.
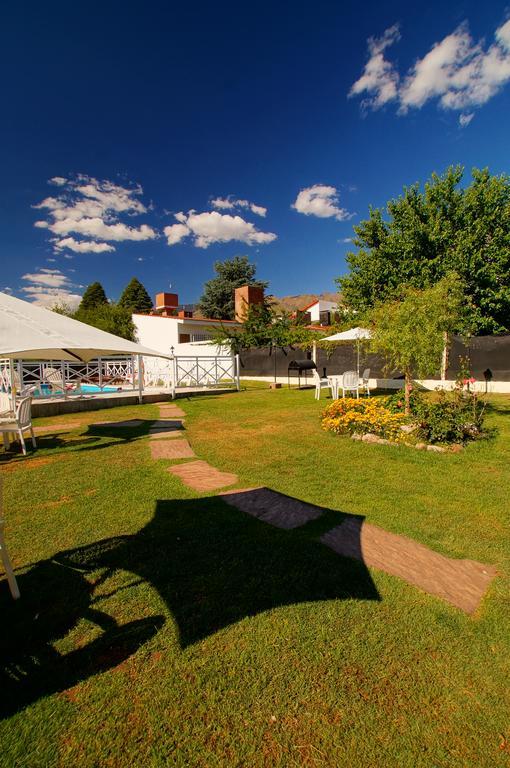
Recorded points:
484,352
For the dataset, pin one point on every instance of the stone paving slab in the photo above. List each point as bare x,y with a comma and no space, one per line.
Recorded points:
462,583
171,410
201,476
273,507
165,434
171,449
58,427
129,424
164,428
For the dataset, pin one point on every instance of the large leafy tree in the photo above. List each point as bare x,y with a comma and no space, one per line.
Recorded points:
218,297
93,296
135,297
425,234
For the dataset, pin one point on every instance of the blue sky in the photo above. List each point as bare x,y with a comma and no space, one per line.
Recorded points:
145,112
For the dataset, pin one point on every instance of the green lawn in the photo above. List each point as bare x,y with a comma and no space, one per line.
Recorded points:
160,627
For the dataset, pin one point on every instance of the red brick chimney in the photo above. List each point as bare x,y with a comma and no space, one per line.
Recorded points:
166,304
244,297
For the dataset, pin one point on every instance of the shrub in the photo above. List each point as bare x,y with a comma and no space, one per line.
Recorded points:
443,417
349,416
450,417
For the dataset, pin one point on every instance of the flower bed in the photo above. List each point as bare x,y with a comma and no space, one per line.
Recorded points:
352,416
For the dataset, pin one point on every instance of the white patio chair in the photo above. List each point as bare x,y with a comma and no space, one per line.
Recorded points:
18,423
5,405
364,382
350,383
53,377
319,384
6,561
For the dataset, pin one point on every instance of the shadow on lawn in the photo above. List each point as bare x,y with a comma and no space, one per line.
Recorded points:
213,566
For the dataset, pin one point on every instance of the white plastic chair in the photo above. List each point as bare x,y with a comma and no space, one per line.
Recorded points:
364,381
319,384
18,423
6,561
350,383
53,377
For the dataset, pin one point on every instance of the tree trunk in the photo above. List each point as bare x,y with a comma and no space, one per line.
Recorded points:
445,361
407,394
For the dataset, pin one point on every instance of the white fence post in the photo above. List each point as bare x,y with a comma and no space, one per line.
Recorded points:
237,363
174,376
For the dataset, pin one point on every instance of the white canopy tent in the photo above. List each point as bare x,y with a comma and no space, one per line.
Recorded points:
353,334
30,332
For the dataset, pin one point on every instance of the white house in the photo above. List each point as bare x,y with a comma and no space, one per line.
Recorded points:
321,311
185,335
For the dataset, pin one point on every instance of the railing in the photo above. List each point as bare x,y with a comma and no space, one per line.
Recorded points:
167,373
213,371
29,374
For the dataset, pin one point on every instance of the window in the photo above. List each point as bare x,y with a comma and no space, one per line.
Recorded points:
201,336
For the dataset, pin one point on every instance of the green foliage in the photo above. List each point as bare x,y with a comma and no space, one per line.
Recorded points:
135,297
411,333
264,328
427,234
444,417
217,301
108,317
94,296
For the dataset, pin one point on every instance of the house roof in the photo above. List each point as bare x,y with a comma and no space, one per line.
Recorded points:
188,319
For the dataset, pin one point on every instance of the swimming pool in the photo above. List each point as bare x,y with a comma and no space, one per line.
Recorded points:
88,389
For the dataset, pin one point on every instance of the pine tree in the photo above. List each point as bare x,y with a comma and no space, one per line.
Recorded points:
218,298
135,297
94,296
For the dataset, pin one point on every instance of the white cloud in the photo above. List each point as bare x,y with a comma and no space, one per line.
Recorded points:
465,118
320,200
229,203
213,227
345,240
82,246
458,72
380,78
48,287
91,208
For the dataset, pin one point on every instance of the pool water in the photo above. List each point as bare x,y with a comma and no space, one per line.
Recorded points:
89,389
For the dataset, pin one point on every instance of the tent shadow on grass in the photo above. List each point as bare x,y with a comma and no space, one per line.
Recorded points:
212,565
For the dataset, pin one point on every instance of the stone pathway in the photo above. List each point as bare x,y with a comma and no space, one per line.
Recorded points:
201,476
171,449
462,583
168,428
273,507
172,411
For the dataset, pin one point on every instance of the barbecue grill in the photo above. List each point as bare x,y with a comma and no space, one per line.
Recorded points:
301,367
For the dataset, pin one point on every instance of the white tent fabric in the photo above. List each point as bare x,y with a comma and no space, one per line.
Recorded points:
34,333
353,334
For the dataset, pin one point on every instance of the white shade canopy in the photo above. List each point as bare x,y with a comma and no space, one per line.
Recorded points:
31,332
353,334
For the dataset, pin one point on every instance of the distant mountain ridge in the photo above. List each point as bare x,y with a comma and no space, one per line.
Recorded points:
291,303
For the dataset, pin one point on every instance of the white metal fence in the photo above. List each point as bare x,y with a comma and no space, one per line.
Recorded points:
170,374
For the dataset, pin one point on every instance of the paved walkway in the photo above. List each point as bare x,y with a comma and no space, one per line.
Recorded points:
198,475
462,583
